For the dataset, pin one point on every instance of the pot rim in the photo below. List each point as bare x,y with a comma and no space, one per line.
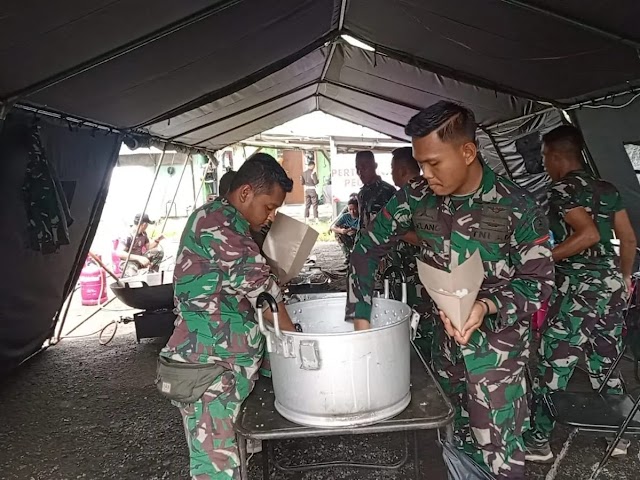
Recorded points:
406,319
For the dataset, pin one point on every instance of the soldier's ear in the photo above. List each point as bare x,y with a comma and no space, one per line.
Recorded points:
469,152
246,193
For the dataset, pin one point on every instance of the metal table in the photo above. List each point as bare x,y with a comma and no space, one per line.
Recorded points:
259,420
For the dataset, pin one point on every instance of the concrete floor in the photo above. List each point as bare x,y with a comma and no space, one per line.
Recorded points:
82,410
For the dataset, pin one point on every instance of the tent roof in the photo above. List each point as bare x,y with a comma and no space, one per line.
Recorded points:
210,73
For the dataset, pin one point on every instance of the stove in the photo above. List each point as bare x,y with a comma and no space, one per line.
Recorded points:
154,323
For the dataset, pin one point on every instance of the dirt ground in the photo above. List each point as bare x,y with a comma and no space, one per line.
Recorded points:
81,410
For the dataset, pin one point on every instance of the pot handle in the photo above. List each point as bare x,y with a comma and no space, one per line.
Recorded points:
403,279
262,298
141,282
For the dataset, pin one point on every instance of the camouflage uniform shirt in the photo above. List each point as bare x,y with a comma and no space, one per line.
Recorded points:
501,222
218,276
371,199
601,200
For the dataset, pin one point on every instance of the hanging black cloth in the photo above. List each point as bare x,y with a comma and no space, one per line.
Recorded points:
47,209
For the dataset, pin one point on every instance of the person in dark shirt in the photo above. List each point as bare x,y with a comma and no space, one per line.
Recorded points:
310,180
145,254
346,227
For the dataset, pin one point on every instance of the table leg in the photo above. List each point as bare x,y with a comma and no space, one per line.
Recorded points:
266,453
416,456
242,448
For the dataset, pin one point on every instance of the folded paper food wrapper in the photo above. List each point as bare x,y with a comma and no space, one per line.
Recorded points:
287,246
454,292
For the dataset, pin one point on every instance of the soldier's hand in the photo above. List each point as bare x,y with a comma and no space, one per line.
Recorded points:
476,317
361,324
628,284
448,326
143,261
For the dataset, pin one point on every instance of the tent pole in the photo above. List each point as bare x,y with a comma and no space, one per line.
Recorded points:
576,23
193,182
498,152
204,178
165,31
175,194
144,210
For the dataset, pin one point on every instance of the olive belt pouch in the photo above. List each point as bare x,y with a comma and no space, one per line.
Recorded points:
185,382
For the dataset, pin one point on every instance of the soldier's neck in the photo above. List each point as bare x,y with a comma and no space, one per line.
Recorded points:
473,182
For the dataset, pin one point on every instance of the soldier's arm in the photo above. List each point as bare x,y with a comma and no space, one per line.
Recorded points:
372,244
249,273
584,234
627,236
568,200
533,280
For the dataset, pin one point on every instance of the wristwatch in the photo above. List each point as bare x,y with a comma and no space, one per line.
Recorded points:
486,304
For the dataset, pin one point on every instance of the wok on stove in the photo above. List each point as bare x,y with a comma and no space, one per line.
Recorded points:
152,291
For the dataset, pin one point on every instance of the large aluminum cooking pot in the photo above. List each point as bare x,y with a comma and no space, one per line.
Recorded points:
332,376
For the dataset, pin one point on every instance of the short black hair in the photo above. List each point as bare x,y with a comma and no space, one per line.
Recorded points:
565,137
262,172
404,155
451,120
226,180
365,155
353,201
311,163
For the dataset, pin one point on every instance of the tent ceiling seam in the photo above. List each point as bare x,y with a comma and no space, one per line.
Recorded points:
278,110
450,73
242,83
343,12
246,109
357,109
574,22
117,52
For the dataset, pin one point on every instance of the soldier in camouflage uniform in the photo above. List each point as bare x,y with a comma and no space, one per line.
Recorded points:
373,195
585,317
219,275
404,169
375,192
458,208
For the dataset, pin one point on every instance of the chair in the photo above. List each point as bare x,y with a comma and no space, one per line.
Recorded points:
602,412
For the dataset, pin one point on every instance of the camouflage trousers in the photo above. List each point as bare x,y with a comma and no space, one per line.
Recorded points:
346,243
489,418
585,319
417,299
155,258
208,425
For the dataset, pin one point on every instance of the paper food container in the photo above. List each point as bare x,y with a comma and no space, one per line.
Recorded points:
287,246
454,292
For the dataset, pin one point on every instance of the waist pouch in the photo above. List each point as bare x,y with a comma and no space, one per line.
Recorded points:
185,382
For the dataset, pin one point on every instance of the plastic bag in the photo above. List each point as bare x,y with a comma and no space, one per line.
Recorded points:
460,466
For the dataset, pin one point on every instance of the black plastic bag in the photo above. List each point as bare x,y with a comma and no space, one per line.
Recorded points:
460,466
